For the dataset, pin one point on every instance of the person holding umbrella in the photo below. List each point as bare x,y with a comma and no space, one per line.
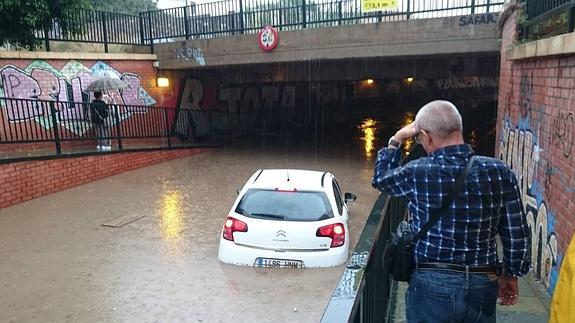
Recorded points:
100,109
99,113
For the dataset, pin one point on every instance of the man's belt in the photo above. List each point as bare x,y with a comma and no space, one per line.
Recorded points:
459,268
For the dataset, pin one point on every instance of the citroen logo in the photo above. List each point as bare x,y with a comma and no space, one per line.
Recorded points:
281,233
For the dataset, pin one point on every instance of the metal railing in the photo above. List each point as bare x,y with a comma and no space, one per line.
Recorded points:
52,126
364,291
91,26
232,17
538,11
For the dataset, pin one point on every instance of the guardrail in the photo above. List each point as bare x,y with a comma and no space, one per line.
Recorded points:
538,11
52,128
364,291
232,17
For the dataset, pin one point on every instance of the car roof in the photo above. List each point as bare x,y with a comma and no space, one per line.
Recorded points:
302,180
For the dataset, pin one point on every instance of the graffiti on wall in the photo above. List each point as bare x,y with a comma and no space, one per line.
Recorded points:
563,132
464,82
41,81
520,150
526,95
185,53
483,19
257,108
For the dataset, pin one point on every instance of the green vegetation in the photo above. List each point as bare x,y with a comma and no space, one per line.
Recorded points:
21,19
24,21
124,6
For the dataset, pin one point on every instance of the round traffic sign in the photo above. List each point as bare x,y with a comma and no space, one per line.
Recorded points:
268,38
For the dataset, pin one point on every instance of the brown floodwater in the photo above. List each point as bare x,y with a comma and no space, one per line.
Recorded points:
59,264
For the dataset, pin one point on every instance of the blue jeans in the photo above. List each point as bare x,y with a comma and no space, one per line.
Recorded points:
102,134
442,296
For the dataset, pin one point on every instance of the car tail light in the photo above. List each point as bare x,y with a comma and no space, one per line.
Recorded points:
335,231
233,225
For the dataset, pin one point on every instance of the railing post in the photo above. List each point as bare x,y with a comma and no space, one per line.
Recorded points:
304,10
142,34
572,18
280,20
47,36
340,12
379,16
241,16
150,30
232,23
186,25
168,134
118,127
55,128
472,7
104,31
488,5
408,9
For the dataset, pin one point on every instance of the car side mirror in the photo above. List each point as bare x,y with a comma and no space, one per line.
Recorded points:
350,197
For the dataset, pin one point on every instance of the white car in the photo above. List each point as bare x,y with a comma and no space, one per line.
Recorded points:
287,218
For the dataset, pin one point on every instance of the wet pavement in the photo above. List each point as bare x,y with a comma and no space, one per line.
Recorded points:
59,264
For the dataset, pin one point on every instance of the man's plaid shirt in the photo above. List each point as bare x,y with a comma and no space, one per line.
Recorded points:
489,204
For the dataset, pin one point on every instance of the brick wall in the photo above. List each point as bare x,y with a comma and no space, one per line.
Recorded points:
536,137
23,181
65,79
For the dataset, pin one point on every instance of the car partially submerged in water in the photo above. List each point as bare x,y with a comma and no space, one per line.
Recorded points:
287,218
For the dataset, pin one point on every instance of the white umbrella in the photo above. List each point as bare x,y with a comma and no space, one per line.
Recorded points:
106,84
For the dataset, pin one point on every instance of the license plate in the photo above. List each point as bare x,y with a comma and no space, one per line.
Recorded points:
278,263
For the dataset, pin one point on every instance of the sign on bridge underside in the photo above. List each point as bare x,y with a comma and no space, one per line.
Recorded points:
378,5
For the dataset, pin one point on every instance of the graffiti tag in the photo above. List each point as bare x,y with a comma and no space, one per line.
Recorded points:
563,133
526,95
188,53
484,19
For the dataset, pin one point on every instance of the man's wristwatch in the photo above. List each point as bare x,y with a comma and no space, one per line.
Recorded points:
394,143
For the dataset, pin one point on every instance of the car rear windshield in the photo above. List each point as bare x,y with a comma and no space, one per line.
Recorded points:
287,206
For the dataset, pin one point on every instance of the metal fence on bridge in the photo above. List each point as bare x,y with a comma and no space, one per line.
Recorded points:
364,291
39,128
232,17
539,11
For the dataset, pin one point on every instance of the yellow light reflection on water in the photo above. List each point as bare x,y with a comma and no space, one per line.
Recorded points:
408,118
171,214
368,127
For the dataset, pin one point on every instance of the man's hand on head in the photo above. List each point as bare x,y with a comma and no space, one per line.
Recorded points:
405,133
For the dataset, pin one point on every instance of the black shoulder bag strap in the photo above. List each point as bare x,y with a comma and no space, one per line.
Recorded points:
446,201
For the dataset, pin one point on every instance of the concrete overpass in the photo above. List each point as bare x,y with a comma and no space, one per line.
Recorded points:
422,37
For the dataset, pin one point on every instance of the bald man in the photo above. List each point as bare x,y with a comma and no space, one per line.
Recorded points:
456,270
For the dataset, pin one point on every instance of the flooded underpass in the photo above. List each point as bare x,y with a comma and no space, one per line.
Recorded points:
60,264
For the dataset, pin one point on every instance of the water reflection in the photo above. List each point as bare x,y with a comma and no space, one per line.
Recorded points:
171,215
368,127
408,118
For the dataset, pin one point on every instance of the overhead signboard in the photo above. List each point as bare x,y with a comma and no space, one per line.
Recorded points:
378,5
